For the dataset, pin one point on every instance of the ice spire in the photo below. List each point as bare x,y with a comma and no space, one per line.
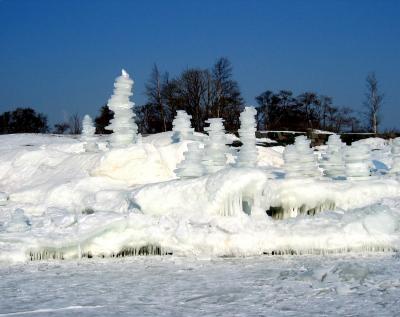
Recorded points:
88,136
395,168
247,156
215,148
358,163
332,162
181,127
300,160
191,165
123,124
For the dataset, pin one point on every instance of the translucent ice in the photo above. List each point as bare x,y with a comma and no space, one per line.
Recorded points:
181,127
191,166
395,150
88,136
248,152
215,148
358,163
125,130
332,162
300,160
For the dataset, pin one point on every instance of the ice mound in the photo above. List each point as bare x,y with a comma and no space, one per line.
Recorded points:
395,150
3,198
191,166
88,131
332,162
67,203
125,130
300,160
215,150
137,164
182,127
358,164
247,156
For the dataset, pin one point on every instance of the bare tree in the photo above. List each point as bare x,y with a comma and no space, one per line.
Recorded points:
373,102
154,92
75,125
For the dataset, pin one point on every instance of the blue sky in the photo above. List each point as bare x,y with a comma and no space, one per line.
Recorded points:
62,56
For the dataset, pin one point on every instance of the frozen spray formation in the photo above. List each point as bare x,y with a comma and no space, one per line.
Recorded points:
191,165
88,136
395,150
332,162
125,130
182,127
247,156
300,160
215,148
358,162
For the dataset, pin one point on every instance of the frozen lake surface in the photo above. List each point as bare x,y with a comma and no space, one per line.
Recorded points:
340,285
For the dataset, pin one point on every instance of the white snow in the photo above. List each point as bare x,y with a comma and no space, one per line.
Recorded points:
58,201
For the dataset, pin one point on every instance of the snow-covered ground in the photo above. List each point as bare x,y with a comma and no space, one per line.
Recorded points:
344,285
59,202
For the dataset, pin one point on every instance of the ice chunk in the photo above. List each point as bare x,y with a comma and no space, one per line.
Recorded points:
191,166
181,127
332,162
125,130
248,152
300,160
3,198
18,222
88,131
215,149
358,163
395,150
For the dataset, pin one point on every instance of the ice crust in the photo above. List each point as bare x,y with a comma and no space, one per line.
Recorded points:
60,201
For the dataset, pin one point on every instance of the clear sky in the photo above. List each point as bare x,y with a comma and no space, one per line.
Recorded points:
62,56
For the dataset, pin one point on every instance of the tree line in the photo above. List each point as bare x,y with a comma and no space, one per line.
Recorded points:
213,92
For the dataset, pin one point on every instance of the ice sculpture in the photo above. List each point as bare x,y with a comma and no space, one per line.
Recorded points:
300,160
123,124
395,168
248,154
332,162
215,148
191,165
88,136
358,162
182,127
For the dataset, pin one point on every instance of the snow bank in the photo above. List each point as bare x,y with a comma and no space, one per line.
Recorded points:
58,201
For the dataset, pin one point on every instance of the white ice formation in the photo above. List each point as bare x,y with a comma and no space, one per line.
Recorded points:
332,162
215,149
191,166
300,160
3,198
181,127
248,154
358,163
395,150
125,130
88,130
